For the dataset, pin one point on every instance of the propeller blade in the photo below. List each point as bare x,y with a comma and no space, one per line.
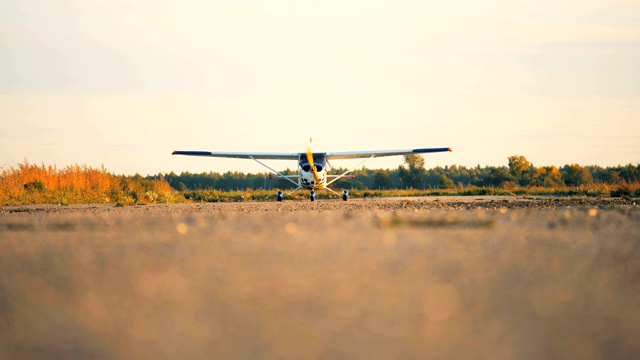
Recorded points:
313,166
310,156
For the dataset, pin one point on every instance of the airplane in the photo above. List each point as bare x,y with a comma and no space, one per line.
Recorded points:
312,167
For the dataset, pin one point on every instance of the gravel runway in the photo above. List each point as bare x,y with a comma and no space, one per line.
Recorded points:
414,278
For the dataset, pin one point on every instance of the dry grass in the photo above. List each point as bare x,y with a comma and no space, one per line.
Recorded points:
75,184
39,184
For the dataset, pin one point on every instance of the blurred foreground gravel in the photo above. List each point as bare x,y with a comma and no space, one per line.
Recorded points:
471,278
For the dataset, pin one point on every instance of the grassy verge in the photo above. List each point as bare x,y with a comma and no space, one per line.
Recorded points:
598,190
33,184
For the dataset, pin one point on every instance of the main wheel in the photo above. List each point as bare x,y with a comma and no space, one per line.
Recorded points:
312,196
345,195
279,196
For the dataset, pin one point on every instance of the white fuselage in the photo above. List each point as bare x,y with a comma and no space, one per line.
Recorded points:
307,181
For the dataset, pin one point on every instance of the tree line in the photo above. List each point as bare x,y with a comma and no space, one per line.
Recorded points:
518,172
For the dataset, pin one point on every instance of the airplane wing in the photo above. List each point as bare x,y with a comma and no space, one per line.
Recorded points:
241,155
295,156
379,153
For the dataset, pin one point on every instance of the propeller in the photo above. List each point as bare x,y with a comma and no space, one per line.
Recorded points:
313,166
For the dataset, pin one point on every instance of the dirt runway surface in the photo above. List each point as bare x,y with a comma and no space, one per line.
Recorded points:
415,278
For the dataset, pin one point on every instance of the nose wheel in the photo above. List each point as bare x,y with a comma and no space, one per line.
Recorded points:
312,195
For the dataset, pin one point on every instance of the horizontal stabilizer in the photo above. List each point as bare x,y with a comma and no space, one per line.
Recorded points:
279,177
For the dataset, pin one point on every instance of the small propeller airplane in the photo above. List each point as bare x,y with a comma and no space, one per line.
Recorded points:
312,167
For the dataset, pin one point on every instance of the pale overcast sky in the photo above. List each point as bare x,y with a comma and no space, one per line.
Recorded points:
124,83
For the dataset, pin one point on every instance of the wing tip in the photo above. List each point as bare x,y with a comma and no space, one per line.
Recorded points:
174,153
431,150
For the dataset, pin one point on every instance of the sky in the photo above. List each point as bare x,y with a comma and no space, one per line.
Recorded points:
122,84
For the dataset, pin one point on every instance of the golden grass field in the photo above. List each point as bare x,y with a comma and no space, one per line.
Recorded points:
456,278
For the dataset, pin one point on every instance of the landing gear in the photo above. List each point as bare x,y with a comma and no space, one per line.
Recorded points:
279,196
312,196
345,195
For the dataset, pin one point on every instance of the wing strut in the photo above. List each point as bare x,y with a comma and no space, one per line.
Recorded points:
275,171
348,171
294,190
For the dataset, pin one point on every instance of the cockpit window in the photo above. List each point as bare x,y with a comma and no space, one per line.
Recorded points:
306,167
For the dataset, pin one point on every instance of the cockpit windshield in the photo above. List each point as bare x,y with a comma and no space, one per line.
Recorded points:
318,160
306,168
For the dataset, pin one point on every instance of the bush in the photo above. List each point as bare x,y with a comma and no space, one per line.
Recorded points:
32,184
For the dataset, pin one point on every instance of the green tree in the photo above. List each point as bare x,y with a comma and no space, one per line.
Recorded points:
576,175
612,177
630,173
432,177
412,175
358,185
549,176
182,186
446,183
520,168
499,176
382,180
